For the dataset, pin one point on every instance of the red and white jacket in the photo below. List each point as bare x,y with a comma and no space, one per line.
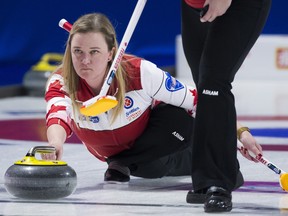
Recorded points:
103,138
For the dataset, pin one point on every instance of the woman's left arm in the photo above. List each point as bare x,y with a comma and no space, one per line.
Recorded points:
161,86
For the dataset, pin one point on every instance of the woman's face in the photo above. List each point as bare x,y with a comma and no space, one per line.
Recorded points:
90,56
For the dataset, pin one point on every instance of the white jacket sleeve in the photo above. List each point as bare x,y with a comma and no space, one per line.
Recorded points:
162,86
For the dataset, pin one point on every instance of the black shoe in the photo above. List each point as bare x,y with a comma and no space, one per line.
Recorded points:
199,196
218,200
114,176
196,197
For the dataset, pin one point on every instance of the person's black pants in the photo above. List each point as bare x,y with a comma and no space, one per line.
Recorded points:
164,148
214,52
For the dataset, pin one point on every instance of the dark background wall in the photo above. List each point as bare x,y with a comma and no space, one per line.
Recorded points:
28,29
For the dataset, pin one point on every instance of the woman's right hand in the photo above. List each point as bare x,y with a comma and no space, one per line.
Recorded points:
56,135
56,155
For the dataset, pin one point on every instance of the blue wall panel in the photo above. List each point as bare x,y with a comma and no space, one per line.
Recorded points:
28,29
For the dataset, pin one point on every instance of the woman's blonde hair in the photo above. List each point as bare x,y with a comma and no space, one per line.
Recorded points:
97,23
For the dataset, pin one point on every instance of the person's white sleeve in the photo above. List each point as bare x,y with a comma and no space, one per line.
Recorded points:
162,86
59,105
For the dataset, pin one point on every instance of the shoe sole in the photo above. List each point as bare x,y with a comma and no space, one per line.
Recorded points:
215,210
116,182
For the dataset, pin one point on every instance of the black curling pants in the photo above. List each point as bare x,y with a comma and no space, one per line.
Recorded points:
214,52
164,148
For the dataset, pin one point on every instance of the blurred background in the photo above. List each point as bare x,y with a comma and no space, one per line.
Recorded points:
29,29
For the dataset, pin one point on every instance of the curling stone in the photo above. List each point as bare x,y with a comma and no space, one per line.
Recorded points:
34,80
30,178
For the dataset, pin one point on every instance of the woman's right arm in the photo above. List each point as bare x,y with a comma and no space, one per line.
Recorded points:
56,135
57,117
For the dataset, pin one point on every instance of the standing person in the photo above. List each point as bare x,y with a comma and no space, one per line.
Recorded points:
215,46
148,134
